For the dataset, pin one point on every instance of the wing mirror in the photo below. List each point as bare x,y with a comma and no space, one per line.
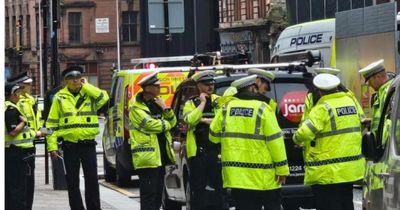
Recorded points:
369,146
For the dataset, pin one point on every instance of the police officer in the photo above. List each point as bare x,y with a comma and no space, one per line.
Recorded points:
202,155
313,96
73,118
331,138
254,162
263,82
151,141
29,107
377,78
19,153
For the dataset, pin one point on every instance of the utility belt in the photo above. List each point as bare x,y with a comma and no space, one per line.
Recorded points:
87,142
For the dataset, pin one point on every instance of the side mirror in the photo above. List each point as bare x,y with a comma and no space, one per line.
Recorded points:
369,146
176,145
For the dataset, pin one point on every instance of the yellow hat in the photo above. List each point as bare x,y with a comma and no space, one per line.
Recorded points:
372,69
327,71
267,75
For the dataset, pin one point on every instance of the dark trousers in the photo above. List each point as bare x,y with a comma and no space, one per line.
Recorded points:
19,178
206,182
255,199
74,155
334,196
151,183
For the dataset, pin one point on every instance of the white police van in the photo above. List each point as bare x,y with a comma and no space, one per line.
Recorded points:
315,35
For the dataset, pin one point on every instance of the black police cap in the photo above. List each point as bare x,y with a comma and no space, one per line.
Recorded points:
73,71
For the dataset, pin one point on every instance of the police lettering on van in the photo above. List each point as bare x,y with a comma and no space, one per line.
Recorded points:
308,39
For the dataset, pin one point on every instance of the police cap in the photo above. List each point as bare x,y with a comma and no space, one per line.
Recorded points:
327,71
372,69
244,82
150,79
206,77
326,81
11,88
266,75
73,71
22,77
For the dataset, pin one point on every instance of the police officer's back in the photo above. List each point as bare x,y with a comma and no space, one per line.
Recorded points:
331,139
253,155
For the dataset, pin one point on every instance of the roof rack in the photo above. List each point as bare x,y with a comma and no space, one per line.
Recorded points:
308,57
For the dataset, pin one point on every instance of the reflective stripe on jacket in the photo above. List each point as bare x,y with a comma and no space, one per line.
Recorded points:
331,137
24,139
309,104
192,116
252,146
378,104
26,103
143,130
71,123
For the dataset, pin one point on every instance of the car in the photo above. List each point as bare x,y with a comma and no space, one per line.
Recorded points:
381,184
289,90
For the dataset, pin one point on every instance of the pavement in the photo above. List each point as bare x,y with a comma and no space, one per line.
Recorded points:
45,198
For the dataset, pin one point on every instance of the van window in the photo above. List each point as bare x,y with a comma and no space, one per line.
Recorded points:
290,103
118,90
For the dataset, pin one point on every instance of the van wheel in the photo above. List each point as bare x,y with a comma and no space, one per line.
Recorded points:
188,195
168,204
123,176
109,172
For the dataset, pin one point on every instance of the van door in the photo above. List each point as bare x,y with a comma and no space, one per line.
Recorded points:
112,128
382,181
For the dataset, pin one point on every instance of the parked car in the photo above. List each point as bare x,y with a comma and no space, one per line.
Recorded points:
289,90
381,189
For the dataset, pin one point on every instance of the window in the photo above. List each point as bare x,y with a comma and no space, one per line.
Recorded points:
7,32
129,26
249,9
75,27
20,30
28,31
237,7
262,5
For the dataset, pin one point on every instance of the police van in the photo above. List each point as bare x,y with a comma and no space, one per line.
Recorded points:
315,35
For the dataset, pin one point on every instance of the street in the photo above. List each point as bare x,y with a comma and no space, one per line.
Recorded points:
112,197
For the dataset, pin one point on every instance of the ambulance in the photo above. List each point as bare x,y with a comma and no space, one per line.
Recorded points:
116,146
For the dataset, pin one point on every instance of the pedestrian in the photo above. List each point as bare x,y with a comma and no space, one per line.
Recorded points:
331,138
29,107
376,77
263,82
73,118
151,143
19,153
253,155
313,95
204,171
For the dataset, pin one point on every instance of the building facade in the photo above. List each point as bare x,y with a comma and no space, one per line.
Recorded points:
87,36
251,26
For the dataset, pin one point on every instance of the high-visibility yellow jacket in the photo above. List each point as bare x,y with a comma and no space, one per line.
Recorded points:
24,139
143,130
331,137
26,103
309,104
377,106
252,147
71,123
192,116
